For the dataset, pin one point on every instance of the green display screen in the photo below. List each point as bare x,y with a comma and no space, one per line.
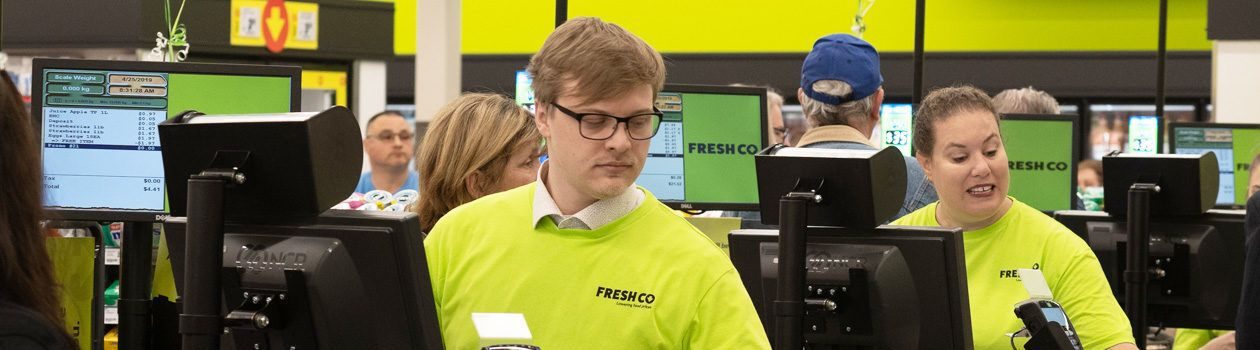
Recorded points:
99,137
524,91
1235,147
1042,160
896,125
1143,135
703,153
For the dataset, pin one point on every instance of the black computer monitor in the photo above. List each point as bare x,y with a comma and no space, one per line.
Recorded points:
1042,152
702,156
97,122
1235,145
351,280
893,287
1197,263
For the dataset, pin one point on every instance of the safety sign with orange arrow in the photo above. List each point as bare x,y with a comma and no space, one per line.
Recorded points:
275,24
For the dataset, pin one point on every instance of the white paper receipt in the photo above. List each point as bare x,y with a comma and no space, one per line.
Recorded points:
1035,283
501,328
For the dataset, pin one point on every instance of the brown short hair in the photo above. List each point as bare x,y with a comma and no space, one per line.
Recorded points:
475,132
603,59
1091,164
940,104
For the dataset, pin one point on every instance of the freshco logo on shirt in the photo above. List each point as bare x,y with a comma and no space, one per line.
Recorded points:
1014,273
627,298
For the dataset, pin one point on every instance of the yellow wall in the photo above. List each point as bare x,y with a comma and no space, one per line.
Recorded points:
708,26
405,27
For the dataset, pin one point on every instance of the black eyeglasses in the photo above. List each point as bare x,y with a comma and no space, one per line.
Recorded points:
598,126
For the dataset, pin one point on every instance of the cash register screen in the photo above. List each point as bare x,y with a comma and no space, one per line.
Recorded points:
702,154
98,123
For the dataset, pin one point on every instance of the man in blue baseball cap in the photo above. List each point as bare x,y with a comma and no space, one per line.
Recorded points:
841,94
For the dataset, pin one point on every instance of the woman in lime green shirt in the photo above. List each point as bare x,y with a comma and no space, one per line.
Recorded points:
958,142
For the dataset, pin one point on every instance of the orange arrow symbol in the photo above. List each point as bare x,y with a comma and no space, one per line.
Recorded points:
276,25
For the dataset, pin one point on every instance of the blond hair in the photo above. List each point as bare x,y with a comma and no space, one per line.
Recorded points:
476,132
1025,101
601,59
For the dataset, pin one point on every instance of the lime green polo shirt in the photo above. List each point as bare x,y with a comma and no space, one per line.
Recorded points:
1193,339
647,280
1025,238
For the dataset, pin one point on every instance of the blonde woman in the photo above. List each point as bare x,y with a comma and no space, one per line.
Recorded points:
477,145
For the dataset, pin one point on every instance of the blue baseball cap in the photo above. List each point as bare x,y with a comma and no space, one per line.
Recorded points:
845,58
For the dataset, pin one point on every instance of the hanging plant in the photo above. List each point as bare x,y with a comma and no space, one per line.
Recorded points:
859,18
178,38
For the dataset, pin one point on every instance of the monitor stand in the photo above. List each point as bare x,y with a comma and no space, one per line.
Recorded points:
135,286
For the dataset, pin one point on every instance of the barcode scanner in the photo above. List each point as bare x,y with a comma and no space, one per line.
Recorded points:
1047,325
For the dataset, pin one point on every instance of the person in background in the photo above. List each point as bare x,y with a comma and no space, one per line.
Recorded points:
476,145
958,140
585,255
389,148
1089,173
30,306
1253,184
1089,185
794,126
1025,101
841,94
1247,323
774,117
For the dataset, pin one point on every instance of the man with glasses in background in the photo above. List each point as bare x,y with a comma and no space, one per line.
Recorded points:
389,144
587,257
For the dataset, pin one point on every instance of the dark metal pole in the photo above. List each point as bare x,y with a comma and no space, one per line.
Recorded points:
562,12
136,285
919,12
789,308
1137,265
98,289
201,321
1161,59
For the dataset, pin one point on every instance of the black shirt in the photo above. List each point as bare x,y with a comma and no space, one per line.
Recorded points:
22,328
1248,321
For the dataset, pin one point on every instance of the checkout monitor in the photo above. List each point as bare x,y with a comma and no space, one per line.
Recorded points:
1145,134
891,287
353,280
896,126
702,156
524,90
1235,145
1197,260
1042,154
97,123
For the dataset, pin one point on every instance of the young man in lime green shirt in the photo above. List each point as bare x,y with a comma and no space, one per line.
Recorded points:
589,259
